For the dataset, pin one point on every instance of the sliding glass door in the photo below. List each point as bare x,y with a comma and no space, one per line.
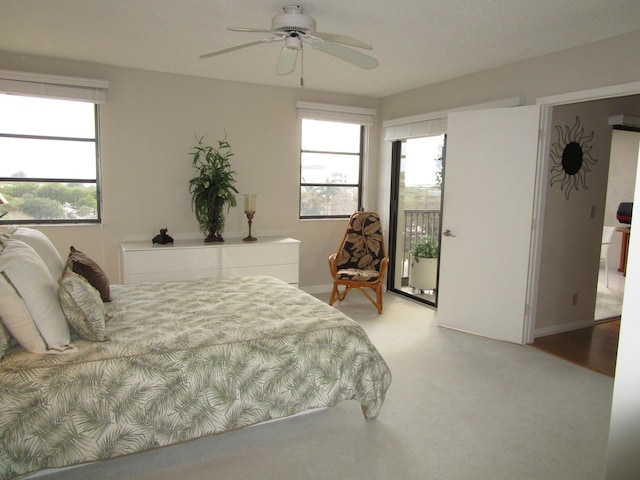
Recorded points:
414,240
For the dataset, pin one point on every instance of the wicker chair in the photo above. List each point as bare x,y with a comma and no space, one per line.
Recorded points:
361,261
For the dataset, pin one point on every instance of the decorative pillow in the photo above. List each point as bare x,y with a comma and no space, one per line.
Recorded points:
83,265
83,307
25,273
43,247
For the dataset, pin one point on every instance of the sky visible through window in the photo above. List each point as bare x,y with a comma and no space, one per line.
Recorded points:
47,158
322,136
420,166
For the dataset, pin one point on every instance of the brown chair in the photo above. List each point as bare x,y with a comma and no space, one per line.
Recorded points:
361,261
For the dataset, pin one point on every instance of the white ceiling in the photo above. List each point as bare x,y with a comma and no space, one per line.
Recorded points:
417,42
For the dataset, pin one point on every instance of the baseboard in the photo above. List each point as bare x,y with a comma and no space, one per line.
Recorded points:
563,327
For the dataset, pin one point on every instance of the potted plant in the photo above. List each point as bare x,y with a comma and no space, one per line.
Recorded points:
213,188
424,264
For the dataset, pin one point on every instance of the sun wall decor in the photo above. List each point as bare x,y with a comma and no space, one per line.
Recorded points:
571,157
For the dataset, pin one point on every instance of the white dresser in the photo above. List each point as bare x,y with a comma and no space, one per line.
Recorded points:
191,259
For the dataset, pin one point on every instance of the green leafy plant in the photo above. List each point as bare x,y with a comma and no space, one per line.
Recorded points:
213,188
427,247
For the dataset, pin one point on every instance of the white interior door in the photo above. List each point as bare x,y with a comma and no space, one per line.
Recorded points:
490,178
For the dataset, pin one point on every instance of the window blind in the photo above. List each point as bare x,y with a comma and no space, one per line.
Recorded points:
336,113
53,86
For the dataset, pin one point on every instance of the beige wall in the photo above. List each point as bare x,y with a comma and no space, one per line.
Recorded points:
599,64
147,129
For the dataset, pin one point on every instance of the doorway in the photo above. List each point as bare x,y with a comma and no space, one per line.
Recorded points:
416,191
568,286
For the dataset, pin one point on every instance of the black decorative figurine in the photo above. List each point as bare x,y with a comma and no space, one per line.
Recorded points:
163,238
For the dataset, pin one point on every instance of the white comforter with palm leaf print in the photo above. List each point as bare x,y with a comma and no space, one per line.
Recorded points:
185,360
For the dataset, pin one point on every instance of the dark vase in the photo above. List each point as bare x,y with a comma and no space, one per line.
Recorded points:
216,223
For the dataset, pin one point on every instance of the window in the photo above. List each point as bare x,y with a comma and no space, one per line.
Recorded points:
331,160
48,160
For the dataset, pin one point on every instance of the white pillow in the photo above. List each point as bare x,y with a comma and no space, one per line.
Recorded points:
17,319
27,274
43,247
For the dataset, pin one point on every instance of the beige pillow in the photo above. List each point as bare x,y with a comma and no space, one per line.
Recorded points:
83,307
83,265
25,272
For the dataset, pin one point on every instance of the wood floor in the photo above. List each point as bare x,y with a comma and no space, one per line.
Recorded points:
593,347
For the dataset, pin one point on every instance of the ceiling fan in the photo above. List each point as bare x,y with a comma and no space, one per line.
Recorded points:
295,27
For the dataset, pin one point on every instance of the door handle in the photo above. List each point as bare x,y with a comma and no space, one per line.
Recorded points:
447,233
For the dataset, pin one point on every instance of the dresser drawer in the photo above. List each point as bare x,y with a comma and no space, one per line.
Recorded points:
256,255
166,259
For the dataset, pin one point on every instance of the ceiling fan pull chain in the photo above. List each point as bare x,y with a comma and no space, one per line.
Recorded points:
302,67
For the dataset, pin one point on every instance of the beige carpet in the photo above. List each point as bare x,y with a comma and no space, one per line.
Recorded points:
460,407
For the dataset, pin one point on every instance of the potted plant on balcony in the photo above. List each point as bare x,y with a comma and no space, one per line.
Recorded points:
424,264
213,188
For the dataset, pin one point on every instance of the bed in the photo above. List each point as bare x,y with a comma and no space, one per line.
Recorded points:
179,361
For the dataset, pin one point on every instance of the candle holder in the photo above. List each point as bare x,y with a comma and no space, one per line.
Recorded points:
249,210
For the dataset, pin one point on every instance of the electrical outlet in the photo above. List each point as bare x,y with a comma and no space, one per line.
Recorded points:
574,299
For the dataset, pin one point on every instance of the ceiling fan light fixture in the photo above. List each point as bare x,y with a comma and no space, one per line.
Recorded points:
293,42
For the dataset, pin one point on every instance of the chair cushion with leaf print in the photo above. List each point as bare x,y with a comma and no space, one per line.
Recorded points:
362,251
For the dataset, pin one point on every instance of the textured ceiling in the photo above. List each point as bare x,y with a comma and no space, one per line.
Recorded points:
417,42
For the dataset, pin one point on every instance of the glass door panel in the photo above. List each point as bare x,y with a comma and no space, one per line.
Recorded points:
415,217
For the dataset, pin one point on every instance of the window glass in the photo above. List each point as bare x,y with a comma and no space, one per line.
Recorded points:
323,136
46,116
48,161
41,158
329,168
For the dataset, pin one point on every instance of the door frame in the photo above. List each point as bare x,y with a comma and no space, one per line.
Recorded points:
547,103
396,158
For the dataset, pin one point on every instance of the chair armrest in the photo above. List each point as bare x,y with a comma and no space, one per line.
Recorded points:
333,264
384,263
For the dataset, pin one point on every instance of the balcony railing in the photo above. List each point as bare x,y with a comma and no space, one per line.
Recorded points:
417,224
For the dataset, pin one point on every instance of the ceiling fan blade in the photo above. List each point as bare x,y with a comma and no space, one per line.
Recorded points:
244,29
286,61
238,47
348,55
343,39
